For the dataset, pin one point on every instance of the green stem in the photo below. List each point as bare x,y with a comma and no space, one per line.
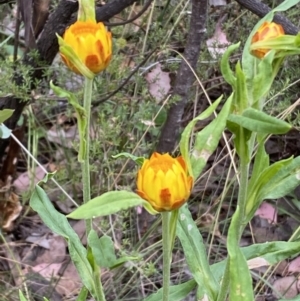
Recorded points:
98,283
242,202
86,182
166,254
87,102
242,196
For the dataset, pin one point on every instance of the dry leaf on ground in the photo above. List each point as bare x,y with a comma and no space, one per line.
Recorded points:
24,180
218,43
268,212
159,83
294,266
286,287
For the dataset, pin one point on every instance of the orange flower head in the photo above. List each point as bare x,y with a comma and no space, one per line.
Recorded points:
267,31
92,44
164,182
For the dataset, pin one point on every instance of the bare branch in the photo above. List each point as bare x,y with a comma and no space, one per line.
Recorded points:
184,79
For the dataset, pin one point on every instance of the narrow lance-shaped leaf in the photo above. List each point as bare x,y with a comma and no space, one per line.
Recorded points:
271,252
69,52
58,223
81,118
21,296
240,278
290,171
177,292
261,163
109,203
286,43
225,66
260,183
82,296
138,160
263,80
195,254
241,98
207,139
186,134
260,122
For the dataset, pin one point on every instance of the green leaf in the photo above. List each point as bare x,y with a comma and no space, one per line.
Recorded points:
208,139
109,203
241,97
83,294
4,131
177,292
240,278
81,117
260,122
70,54
195,253
103,249
186,134
286,43
272,252
225,66
137,160
21,296
120,261
263,80
284,181
261,163
58,223
5,114
276,181
260,184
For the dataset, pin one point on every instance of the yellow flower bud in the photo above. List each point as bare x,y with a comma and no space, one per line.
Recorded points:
267,31
164,182
91,43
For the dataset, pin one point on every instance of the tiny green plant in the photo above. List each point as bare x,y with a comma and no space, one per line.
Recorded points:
164,183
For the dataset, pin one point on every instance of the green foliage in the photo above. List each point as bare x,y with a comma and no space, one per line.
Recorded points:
259,122
104,252
207,140
58,223
81,118
240,278
195,254
138,160
177,292
124,119
109,203
186,135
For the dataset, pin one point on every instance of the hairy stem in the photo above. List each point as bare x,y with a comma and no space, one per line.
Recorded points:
88,86
88,89
166,254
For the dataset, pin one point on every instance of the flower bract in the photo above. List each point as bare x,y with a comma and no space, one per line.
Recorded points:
266,32
164,182
91,43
